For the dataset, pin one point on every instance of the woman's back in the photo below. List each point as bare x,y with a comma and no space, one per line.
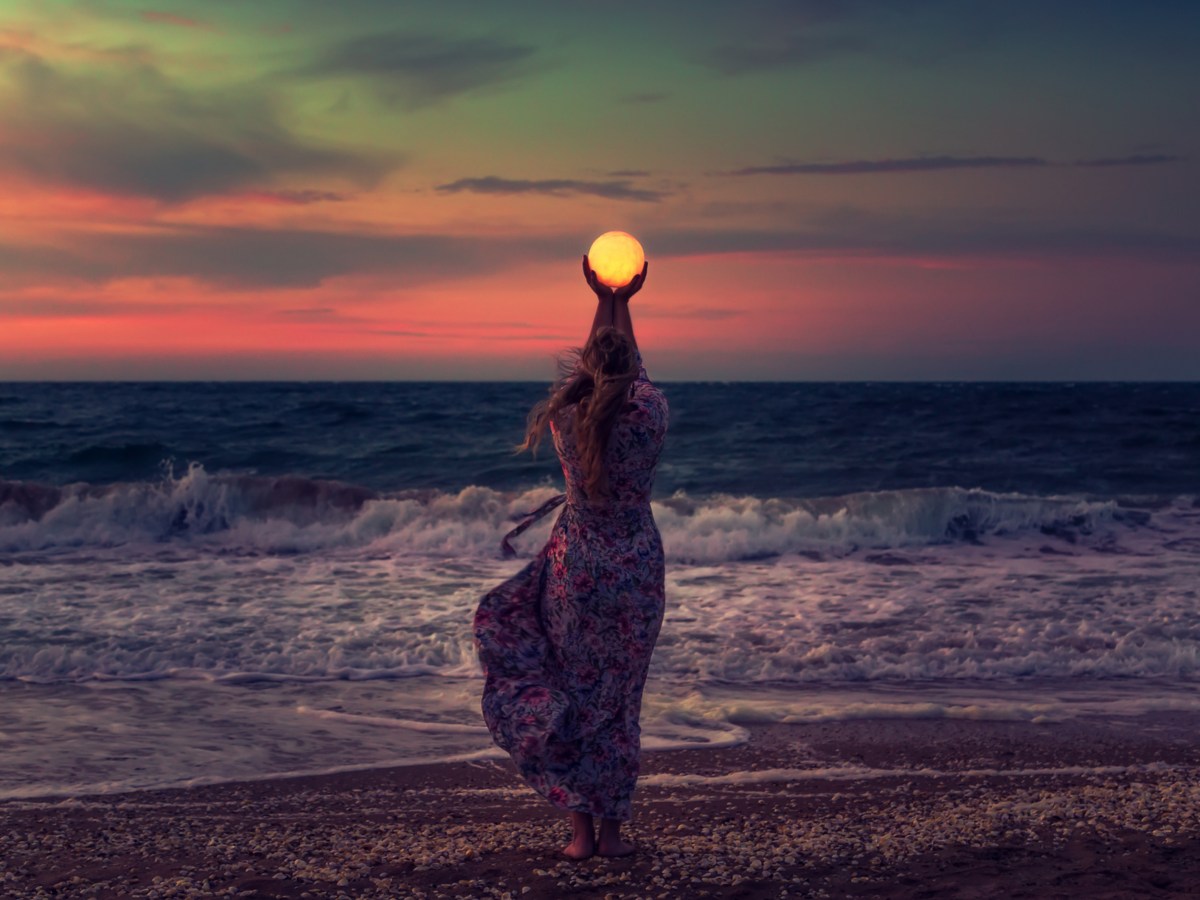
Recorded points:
633,447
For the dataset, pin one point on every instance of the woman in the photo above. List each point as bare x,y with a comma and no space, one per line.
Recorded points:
566,643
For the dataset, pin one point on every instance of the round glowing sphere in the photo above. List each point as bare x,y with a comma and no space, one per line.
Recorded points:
616,257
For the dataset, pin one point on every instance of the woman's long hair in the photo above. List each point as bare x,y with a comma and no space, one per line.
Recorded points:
595,379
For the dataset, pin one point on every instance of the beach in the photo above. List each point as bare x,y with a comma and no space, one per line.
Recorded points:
871,808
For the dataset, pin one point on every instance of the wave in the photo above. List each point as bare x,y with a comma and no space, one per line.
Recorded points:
125,454
295,514
27,424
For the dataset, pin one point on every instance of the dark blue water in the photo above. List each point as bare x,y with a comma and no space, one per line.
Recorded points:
769,439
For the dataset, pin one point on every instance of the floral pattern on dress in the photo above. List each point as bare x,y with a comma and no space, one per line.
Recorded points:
565,644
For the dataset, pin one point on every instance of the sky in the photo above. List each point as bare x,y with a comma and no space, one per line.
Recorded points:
826,190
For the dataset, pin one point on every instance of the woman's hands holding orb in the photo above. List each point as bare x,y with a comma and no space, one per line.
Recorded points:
604,292
615,269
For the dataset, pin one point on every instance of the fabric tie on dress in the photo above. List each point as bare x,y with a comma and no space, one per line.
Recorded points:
528,519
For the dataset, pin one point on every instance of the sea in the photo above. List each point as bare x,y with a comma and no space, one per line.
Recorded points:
202,582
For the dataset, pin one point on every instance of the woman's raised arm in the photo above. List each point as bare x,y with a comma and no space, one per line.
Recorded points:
613,308
604,294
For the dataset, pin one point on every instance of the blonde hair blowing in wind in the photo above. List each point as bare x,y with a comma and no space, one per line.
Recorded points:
595,379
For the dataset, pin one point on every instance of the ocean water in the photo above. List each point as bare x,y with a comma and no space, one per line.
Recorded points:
206,581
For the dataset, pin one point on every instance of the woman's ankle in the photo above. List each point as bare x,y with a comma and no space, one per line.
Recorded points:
581,825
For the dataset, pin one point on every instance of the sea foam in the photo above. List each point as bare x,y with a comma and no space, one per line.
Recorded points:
298,515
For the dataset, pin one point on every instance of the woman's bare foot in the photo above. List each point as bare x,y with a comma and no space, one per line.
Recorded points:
610,839
579,849
615,848
584,844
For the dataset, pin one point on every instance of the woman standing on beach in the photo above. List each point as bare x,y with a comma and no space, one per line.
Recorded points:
566,642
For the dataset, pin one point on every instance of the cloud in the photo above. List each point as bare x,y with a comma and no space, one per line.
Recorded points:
16,43
131,130
30,263
644,97
942,163
859,232
695,312
413,70
493,332
54,308
911,164
554,187
774,35
302,258
166,18
299,198
776,53
314,314
86,304
246,258
239,257
1140,159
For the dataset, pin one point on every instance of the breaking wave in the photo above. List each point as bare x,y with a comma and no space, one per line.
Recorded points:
295,514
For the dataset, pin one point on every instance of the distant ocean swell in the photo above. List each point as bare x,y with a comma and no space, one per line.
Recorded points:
295,514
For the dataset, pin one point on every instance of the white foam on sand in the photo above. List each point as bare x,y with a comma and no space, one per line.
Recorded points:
390,722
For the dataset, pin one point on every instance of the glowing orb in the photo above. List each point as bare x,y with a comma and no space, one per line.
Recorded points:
616,257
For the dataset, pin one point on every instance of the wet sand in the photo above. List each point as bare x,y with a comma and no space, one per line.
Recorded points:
872,808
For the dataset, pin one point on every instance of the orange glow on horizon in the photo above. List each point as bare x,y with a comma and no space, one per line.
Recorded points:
692,308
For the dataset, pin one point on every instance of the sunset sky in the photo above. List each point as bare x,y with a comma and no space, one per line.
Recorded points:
839,189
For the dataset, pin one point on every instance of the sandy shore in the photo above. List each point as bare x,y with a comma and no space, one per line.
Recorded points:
893,808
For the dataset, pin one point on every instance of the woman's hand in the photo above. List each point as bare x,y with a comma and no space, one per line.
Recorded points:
608,311
604,292
624,293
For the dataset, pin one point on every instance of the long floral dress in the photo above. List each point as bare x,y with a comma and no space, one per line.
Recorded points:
565,644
